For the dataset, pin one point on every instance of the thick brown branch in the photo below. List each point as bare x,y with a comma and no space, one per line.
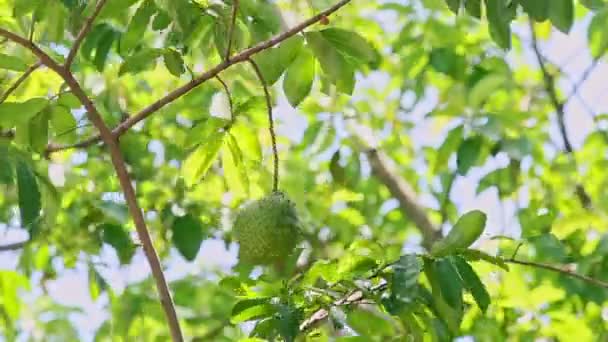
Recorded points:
551,89
211,73
19,81
83,33
119,165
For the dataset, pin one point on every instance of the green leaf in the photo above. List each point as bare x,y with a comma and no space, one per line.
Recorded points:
454,5
350,44
117,237
29,197
12,63
472,283
370,324
405,278
137,27
499,20
536,9
475,255
234,167
198,163
248,141
299,78
273,62
450,144
104,44
142,60
473,8
289,322
449,283
334,65
464,233
7,173
69,100
468,154
62,120
14,113
188,234
174,62
251,309
597,34
561,14
39,131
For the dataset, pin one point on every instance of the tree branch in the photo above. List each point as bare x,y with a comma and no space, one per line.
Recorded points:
550,87
273,137
13,246
238,58
561,270
83,33
125,182
235,8
19,81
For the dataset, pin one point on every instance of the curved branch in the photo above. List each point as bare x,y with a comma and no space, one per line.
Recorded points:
13,246
558,105
125,182
83,33
561,270
19,81
211,73
273,137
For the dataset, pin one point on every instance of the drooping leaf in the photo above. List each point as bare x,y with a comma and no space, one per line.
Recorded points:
273,62
499,16
333,63
174,62
187,236
9,62
299,78
251,308
198,162
597,34
468,154
117,237
137,27
472,282
561,14
350,44
450,283
142,60
29,197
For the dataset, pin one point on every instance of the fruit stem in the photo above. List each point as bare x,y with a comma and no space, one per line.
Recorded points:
275,178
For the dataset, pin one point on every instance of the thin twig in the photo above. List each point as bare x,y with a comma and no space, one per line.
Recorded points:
13,246
19,81
561,270
235,8
551,90
273,137
178,92
88,24
229,95
123,177
582,80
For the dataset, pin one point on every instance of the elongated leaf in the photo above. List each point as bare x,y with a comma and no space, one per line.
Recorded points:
468,154
333,63
14,113
188,234
199,161
29,197
405,278
597,34
234,167
499,21
475,255
537,9
174,62
251,308
117,237
350,44
561,14
472,282
140,61
450,283
273,62
9,62
450,144
299,78
7,172
137,26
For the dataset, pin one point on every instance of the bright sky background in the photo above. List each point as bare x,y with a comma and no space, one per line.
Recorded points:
569,52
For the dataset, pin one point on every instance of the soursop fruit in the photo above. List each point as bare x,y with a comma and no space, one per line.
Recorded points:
267,229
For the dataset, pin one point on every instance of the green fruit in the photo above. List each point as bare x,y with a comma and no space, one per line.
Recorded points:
267,229
468,228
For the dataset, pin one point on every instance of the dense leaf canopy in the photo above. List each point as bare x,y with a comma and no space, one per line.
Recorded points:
444,184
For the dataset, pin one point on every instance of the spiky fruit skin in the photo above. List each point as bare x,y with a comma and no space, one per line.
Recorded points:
267,230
